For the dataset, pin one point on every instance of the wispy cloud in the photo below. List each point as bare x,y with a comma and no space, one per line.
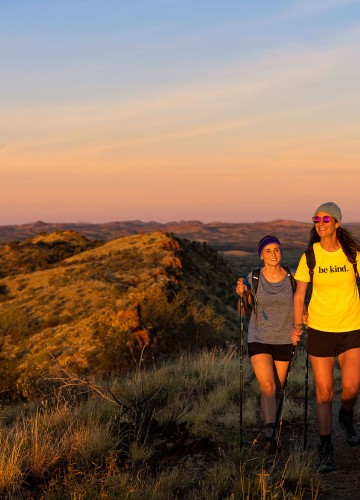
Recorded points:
197,112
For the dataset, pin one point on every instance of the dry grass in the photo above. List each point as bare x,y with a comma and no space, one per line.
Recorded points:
12,471
71,449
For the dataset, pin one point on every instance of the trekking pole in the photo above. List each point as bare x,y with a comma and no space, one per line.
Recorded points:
281,402
241,366
306,398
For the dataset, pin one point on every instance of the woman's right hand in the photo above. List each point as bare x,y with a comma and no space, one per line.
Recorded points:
240,287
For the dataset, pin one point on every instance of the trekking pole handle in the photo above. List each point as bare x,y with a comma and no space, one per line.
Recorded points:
240,287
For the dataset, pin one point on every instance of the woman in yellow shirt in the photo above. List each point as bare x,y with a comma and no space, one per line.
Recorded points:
333,323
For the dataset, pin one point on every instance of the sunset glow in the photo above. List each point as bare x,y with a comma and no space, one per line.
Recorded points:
178,110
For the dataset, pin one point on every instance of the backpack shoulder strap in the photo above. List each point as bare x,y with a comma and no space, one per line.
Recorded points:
254,286
255,280
310,261
291,278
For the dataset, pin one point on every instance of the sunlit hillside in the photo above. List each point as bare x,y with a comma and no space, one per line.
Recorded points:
41,251
101,309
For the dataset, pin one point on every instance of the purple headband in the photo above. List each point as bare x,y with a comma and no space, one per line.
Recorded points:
267,241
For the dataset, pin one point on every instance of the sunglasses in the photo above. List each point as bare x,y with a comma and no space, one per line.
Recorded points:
326,219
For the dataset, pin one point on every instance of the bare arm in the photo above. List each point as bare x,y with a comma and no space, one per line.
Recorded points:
299,311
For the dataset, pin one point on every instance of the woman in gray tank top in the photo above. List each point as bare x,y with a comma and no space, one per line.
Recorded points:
269,333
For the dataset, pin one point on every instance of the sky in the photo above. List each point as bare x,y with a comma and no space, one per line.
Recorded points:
170,110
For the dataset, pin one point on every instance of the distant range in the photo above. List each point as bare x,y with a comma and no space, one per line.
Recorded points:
223,236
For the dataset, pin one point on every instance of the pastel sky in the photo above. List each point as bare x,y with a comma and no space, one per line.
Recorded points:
165,110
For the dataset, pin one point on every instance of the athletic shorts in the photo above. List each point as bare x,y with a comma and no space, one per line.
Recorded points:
330,344
279,352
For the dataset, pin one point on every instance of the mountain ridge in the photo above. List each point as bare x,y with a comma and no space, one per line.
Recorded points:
223,236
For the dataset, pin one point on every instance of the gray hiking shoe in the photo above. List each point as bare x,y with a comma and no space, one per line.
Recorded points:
349,427
326,458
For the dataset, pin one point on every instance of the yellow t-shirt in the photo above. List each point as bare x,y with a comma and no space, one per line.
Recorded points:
334,304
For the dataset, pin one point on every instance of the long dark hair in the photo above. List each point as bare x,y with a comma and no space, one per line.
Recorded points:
348,242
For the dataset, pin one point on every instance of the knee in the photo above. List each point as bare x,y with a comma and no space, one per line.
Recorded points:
268,388
350,388
324,394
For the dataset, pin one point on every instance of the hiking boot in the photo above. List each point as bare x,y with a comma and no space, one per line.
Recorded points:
351,432
268,435
326,458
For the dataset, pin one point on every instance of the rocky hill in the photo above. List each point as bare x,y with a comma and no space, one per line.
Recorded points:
107,306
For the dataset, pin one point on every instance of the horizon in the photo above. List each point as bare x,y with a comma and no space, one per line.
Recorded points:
179,110
179,221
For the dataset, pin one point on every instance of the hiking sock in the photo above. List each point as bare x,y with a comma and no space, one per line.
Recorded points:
325,440
326,454
346,419
346,413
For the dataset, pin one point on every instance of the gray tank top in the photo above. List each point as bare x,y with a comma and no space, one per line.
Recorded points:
275,315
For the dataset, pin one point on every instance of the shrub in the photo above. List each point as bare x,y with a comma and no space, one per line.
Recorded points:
181,322
160,325
13,321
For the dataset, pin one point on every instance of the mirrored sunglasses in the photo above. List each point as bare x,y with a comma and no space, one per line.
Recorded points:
326,219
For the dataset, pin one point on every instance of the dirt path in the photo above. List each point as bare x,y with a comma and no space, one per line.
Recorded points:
344,482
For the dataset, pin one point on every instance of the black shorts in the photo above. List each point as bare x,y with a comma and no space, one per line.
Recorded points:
279,352
331,344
